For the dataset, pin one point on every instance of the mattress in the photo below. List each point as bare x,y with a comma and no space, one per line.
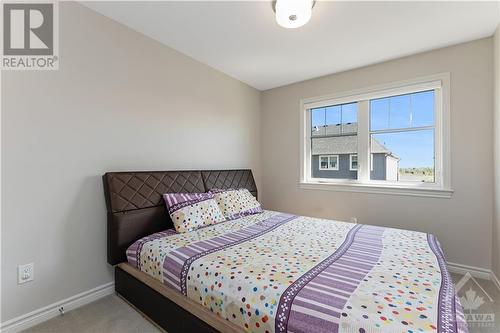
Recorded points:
276,272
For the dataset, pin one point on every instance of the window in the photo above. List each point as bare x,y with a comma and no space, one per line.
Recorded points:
402,137
353,162
329,162
333,132
389,139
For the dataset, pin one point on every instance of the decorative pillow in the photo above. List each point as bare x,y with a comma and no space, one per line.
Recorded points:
190,211
236,203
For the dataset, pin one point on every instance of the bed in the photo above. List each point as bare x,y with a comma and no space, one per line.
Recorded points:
271,271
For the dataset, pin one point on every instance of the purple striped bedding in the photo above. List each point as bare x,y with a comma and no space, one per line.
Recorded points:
275,272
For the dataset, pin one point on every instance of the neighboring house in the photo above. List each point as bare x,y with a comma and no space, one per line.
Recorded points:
334,154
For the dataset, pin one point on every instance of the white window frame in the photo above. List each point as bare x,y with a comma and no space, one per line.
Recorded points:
350,162
441,188
328,159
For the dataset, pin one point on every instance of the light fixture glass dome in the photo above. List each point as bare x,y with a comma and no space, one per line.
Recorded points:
293,13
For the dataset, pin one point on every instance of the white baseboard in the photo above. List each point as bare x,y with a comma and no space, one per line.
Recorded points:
477,272
38,316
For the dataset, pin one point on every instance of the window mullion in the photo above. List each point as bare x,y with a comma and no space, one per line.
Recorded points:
363,141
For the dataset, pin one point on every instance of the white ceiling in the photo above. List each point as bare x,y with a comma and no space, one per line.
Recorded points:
242,39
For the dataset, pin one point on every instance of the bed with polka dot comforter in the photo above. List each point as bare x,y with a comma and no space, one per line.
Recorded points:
275,272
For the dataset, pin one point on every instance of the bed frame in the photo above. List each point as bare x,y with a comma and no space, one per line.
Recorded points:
135,208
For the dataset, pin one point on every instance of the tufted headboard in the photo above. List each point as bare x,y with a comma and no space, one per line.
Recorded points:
136,208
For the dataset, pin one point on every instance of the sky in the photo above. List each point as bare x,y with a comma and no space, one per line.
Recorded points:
415,148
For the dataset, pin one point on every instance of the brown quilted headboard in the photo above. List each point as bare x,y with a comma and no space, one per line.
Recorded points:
135,205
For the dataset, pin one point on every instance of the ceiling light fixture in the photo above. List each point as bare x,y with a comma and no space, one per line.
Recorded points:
293,13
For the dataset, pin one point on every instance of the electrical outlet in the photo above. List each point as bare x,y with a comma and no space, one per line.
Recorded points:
25,273
354,220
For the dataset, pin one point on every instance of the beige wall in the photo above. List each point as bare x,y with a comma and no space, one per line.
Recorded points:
496,220
120,101
463,223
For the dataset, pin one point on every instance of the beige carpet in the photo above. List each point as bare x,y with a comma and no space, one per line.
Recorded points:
109,314
487,307
113,315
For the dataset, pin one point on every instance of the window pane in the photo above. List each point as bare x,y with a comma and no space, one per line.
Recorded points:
403,156
423,109
399,111
379,114
341,145
350,118
324,162
331,149
403,111
354,162
333,119
333,162
318,121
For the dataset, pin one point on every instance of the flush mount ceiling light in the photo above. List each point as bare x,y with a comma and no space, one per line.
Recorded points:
293,13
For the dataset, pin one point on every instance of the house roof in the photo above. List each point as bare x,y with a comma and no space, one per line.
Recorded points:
335,129
345,144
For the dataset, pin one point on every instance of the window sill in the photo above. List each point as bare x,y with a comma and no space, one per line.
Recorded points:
431,192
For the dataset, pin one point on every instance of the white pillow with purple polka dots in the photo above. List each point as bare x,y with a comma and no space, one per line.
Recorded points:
190,211
236,203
